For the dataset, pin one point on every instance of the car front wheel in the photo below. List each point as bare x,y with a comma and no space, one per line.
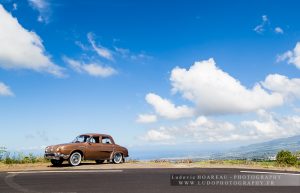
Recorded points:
118,158
75,159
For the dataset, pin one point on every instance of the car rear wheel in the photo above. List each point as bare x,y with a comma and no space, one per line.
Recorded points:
56,162
99,161
118,158
75,159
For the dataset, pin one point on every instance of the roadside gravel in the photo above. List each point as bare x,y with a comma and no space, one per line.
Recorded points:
133,165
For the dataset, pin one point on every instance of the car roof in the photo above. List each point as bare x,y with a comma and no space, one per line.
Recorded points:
96,134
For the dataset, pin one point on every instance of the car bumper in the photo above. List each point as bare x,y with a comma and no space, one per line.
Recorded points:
56,156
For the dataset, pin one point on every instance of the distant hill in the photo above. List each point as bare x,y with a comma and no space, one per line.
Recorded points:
263,150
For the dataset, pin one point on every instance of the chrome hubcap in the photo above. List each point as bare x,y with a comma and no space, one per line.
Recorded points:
118,158
76,158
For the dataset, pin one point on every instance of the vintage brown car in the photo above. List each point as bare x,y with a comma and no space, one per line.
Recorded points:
90,146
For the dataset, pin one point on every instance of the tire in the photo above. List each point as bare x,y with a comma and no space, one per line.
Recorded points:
75,159
56,162
99,161
118,158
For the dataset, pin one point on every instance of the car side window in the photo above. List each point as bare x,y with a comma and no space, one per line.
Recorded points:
106,140
94,140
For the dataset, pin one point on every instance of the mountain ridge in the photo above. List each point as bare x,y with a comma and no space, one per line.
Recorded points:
263,150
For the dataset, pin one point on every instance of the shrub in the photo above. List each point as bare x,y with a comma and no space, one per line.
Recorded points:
185,161
20,158
161,161
285,157
132,161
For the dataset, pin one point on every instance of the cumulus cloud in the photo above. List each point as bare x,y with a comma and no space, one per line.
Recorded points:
160,135
200,130
43,7
146,118
92,69
289,88
216,92
265,126
22,49
278,30
167,109
99,49
291,56
5,90
270,126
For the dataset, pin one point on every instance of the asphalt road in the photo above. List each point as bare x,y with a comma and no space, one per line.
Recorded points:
126,181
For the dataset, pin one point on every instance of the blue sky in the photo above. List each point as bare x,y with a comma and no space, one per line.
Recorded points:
151,74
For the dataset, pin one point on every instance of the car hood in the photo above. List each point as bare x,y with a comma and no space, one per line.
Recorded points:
53,148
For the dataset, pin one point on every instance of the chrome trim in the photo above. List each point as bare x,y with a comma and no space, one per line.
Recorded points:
56,156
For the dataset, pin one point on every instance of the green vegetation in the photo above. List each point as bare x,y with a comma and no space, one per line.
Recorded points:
18,158
283,159
132,161
184,161
286,158
265,164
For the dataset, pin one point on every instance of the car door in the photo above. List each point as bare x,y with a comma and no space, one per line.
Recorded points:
93,149
107,147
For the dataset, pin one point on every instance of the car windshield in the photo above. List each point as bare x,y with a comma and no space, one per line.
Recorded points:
81,139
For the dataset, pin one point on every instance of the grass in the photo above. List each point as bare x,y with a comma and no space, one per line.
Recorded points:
7,158
264,164
132,161
247,163
20,158
238,162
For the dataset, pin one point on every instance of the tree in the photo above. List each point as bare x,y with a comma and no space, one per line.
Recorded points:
285,157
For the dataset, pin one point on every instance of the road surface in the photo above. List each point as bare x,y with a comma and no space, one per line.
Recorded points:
127,181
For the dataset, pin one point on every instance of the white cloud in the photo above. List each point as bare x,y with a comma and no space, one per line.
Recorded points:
291,56
146,118
82,46
279,30
289,88
126,53
5,90
261,27
265,25
158,135
100,50
39,4
22,49
216,92
123,52
43,7
265,18
15,6
270,126
167,109
92,69
200,130
266,126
